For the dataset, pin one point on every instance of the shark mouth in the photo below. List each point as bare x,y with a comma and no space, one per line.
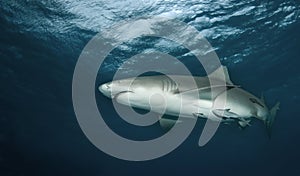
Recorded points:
120,93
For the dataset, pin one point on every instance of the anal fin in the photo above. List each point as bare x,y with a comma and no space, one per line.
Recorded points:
243,123
225,113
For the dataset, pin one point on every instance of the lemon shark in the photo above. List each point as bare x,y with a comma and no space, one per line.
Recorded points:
174,95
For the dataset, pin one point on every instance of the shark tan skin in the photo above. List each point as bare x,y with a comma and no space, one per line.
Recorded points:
179,96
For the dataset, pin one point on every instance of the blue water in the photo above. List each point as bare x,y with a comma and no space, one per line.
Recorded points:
42,40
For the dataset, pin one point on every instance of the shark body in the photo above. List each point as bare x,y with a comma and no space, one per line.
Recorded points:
191,97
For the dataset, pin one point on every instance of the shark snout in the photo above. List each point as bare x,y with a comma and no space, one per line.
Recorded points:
105,89
111,89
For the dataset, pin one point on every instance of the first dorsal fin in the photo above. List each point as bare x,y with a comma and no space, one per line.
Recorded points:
208,93
220,74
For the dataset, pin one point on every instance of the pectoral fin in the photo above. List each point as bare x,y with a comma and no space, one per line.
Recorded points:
167,123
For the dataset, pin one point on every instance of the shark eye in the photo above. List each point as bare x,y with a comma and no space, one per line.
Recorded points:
255,101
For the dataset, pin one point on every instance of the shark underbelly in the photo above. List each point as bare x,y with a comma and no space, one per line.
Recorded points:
166,103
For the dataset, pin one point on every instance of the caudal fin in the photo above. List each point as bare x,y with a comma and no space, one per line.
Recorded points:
270,120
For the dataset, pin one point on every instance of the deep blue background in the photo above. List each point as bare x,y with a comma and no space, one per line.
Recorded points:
40,43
